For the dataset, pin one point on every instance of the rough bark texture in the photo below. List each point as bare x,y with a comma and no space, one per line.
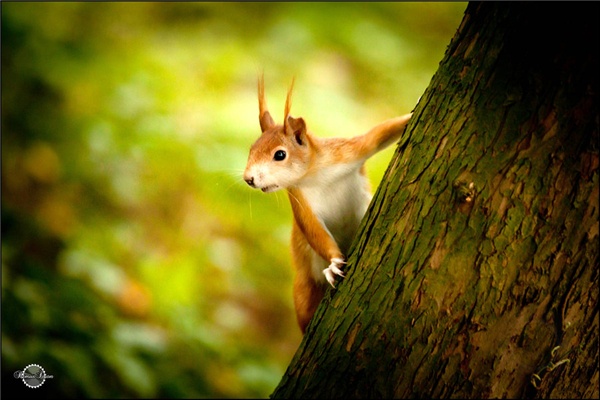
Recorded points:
475,272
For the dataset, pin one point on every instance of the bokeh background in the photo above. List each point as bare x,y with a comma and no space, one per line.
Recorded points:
135,260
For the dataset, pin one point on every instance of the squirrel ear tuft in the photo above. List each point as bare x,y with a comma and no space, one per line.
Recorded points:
264,117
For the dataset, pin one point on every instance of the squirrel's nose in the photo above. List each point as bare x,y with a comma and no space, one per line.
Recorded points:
250,181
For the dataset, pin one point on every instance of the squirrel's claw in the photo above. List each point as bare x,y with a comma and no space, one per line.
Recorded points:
333,270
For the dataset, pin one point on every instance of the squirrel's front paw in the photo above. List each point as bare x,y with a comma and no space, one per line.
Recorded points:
333,270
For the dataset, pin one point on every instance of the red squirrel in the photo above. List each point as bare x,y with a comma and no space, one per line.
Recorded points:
327,188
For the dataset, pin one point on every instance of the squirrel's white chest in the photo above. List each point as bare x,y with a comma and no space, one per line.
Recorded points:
339,200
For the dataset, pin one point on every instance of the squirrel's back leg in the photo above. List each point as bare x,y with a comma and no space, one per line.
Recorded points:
307,296
307,291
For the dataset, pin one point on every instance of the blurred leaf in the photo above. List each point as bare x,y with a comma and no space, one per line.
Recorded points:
134,372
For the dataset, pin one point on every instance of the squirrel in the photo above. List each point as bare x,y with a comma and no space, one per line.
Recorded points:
328,190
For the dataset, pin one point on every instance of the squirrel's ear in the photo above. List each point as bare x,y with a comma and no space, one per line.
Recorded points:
266,121
296,127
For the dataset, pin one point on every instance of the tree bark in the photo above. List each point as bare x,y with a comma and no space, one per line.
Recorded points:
475,270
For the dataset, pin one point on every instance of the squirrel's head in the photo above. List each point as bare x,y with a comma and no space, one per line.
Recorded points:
281,155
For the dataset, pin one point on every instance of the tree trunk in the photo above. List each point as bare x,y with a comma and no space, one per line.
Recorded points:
475,270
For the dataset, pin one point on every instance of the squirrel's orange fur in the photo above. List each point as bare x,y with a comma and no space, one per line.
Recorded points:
328,191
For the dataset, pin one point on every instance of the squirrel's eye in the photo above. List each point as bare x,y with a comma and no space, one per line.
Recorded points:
279,155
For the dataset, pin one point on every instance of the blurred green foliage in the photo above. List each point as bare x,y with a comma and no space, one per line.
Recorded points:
135,261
